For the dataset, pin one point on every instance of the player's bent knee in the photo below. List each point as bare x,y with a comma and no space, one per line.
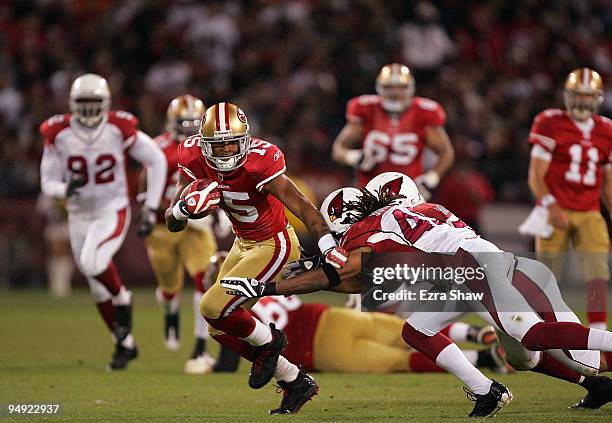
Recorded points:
91,265
524,362
208,307
99,293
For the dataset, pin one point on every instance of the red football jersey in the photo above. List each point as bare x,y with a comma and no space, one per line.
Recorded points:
255,215
396,144
578,157
170,148
299,321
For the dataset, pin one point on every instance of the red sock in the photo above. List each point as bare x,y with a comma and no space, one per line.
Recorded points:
168,295
597,296
239,323
428,345
110,279
107,311
237,345
198,281
556,335
551,367
446,331
419,363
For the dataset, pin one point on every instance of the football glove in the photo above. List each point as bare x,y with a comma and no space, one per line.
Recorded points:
248,287
302,265
337,257
75,182
146,222
359,160
426,183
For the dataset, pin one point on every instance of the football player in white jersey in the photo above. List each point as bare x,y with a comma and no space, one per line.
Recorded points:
84,163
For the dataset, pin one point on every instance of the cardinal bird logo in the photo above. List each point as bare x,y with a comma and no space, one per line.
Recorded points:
334,210
392,187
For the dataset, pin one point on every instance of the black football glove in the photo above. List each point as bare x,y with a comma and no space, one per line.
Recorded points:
75,182
302,265
146,222
248,287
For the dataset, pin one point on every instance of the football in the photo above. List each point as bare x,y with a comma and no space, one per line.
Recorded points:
199,185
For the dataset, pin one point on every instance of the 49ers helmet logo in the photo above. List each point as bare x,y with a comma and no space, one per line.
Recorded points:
334,210
241,115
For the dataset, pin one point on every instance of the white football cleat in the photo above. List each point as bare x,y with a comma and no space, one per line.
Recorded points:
200,365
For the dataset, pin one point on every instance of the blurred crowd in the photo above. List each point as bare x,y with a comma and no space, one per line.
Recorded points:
292,65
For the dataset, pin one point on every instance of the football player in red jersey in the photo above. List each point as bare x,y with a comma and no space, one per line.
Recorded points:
389,131
249,173
569,171
379,224
171,253
84,163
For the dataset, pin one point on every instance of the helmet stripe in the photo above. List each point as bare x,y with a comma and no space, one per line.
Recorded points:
221,117
227,118
585,77
217,119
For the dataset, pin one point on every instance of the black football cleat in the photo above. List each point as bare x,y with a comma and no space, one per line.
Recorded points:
491,402
265,361
599,392
296,394
121,357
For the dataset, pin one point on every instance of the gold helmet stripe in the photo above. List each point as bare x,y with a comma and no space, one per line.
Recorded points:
585,77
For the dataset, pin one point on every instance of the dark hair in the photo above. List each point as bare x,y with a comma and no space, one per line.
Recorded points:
368,203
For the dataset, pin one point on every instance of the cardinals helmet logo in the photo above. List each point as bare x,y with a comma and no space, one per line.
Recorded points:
392,187
334,210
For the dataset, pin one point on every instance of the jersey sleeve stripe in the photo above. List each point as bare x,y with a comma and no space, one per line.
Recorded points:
268,179
546,142
187,172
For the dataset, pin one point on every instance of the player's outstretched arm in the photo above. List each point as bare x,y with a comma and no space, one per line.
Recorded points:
173,223
285,190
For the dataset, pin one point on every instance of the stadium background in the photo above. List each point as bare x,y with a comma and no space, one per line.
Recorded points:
292,65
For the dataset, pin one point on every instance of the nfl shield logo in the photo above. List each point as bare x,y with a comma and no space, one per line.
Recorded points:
220,176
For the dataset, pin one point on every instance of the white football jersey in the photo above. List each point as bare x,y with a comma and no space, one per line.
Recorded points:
98,155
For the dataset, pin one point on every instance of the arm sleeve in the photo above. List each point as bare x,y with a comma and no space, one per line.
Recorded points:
51,174
146,152
357,109
272,165
542,134
433,113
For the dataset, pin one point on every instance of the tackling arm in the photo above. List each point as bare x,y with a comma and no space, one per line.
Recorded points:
346,146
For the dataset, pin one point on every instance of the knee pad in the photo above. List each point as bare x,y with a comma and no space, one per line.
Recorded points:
99,293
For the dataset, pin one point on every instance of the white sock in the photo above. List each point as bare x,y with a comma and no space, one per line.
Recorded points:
128,342
285,370
169,306
598,325
200,325
124,297
452,359
458,332
471,355
261,335
600,340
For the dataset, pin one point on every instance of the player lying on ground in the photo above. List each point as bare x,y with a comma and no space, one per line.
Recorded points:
223,167
84,162
324,339
173,253
380,226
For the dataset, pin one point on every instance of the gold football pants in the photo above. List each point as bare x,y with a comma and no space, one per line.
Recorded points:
588,234
262,260
357,342
171,253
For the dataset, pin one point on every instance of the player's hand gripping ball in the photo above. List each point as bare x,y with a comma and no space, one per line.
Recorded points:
199,198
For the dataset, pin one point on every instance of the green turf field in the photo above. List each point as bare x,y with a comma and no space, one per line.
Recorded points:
56,350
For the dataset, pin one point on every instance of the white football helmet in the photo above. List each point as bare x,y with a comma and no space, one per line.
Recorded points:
396,183
90,99
334,210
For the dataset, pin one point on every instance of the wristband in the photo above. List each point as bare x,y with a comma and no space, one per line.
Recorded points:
326,243
353,157
269,289
332,274
178,213
548,200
